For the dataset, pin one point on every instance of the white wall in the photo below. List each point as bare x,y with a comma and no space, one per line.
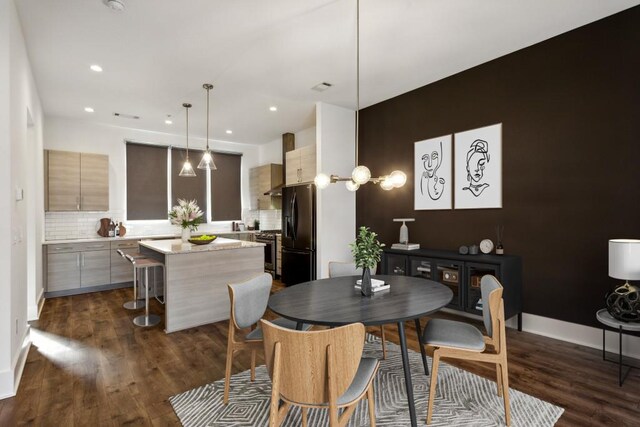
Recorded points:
20,155
75,135
336,206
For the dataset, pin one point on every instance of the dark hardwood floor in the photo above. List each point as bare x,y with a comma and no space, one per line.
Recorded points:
90,366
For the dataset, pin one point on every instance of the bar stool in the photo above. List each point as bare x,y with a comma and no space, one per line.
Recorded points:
136,303
145,264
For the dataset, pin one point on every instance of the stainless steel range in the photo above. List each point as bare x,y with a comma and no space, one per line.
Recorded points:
268,237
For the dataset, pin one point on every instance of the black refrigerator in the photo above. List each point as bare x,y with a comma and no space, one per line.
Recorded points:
298,234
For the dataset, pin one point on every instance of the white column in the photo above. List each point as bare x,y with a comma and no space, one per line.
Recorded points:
336,206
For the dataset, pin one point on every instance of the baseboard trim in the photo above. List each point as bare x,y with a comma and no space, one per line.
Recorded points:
10,379
34,310
574,333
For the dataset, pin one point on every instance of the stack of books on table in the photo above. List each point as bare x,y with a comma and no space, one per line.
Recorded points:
406,246
376,285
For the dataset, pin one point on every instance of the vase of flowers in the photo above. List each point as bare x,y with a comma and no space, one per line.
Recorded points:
186,214
366,252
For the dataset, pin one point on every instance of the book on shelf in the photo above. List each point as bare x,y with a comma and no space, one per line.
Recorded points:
406,246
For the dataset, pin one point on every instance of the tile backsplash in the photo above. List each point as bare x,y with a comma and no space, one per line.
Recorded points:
82,225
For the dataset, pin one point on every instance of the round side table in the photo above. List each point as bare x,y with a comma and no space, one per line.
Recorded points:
607,320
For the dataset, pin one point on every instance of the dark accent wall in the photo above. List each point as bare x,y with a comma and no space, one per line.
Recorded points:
570,114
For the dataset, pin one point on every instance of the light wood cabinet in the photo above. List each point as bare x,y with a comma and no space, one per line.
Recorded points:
301,165
63,184
80,266
63,271
76,181
95,268
94,182
261,180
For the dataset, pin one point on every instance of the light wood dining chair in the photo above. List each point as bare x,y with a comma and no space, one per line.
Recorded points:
458,340
340,269
248,304
318,369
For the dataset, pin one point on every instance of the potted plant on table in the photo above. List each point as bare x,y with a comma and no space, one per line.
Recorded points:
366,252
186,214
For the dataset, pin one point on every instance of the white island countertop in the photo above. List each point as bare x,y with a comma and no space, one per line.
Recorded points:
175,246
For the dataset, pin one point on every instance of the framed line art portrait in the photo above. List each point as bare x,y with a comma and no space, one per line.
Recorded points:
478,168
433,160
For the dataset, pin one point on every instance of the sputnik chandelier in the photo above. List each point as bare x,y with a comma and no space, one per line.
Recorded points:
361,174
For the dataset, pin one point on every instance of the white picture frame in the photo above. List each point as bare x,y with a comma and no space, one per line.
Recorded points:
433,160
478,168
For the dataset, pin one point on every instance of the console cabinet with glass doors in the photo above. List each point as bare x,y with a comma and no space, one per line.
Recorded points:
461,274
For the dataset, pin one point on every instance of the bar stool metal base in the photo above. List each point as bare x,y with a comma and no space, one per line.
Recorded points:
146,320
134,305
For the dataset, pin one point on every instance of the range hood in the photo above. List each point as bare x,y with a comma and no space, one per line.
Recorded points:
275,191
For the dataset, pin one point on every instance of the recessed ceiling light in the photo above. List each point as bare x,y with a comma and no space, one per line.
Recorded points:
117,5
229,131
169,122
273,108
96,68
88,109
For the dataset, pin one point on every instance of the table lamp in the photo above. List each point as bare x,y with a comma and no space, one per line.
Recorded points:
624,259
623,303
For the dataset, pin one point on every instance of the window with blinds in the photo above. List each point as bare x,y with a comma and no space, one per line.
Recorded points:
151,168
225,187
146,182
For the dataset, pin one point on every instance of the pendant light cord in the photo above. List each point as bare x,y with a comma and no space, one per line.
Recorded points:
357,77
187,108
208,89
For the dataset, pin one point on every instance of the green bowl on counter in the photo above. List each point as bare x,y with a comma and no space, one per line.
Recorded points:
202,240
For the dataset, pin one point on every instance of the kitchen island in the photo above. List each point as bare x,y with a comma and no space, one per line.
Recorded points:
197,277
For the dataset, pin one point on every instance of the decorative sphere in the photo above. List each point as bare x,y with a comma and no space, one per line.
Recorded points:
361,175
386,184
624,303
322,180
351,186
398,178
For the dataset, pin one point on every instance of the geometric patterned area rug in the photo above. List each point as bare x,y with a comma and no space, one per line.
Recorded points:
463,399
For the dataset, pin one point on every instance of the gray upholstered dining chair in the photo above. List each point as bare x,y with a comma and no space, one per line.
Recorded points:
248,304
459,340
340,269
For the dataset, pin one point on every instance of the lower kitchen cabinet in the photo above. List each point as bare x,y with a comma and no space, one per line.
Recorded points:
86,267
95,268
63,271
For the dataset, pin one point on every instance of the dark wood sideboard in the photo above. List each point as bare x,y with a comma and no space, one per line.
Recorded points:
461,273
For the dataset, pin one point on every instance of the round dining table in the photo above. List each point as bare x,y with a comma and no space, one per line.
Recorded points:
336,302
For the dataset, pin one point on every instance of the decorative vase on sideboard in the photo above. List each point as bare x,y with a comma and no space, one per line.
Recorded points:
186,234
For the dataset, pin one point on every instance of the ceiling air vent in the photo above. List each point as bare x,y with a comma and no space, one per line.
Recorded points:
321,87
126,116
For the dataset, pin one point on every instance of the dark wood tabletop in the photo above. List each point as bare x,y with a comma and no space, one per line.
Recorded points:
335,301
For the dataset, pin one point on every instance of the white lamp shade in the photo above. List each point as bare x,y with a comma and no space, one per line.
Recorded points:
624,259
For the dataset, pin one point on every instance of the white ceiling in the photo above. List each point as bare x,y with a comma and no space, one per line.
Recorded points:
157,53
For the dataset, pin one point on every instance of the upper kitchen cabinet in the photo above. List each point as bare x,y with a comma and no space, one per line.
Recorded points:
301,165
76,181
263,179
